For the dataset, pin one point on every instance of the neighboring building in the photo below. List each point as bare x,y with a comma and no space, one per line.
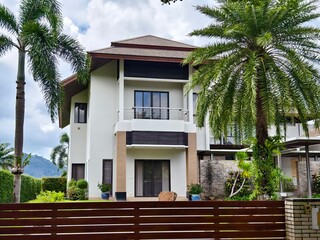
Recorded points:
133,125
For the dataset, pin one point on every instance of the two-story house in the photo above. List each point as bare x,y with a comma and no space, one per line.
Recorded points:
132,124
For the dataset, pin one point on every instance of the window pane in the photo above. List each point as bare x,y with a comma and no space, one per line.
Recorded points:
77,171
146,105
156,105
165,105
80,113
138,104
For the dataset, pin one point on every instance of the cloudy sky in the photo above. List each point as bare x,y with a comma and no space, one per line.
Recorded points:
95,23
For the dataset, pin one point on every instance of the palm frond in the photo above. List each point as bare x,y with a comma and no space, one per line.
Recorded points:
8,20
70,50
5,44
40,11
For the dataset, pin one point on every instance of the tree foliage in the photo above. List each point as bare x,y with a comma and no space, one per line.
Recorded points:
37,35
259,68
59,154
6,156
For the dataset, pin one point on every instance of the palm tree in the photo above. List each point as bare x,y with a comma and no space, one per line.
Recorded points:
259,68
59,154
37,35
6,156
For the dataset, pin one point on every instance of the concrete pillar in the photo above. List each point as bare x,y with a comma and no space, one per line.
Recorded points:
121,159
192,160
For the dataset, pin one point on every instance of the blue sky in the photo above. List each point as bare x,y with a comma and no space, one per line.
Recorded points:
95,23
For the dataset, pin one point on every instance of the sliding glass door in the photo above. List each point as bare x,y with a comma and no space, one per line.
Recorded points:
151,177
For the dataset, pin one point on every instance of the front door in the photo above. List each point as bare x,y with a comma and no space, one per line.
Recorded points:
152,177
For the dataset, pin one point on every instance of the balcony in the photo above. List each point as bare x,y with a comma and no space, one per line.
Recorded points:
156,113
155,119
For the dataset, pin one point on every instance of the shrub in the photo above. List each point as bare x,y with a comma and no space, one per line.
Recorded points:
82,184
57,184
246,190
49,197
6,187
72,183
30,187
77,190
287,184
316,183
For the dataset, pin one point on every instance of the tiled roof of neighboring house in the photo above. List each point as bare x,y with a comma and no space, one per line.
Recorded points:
146,48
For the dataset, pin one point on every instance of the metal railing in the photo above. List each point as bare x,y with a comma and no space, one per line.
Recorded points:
155,113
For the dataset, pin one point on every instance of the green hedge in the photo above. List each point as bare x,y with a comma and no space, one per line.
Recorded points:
6,187
57,184
30,187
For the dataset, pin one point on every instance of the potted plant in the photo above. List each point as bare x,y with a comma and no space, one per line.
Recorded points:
195,189
105,189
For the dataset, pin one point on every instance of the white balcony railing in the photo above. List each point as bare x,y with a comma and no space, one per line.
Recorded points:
156,113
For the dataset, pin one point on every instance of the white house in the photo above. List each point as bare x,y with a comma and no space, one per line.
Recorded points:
133,125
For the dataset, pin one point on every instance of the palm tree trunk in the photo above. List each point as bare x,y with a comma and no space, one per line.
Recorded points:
261,124
20,109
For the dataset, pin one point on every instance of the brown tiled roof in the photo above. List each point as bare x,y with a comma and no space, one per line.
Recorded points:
145,48
150,40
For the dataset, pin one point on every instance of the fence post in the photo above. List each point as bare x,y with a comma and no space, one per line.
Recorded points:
54,213
136,220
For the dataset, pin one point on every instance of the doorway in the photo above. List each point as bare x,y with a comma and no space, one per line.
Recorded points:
151,177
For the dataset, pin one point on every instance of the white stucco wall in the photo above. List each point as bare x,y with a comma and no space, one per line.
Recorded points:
103,116
78,133
177,159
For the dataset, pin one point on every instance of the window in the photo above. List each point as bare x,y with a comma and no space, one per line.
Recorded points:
165,70
195,97
80,113
107,172
151,105
77,171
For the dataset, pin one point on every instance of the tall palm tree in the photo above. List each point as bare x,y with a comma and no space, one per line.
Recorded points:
259,68
59,154
37,35
6,156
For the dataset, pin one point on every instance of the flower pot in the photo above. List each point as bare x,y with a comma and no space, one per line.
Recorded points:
105,195
195,197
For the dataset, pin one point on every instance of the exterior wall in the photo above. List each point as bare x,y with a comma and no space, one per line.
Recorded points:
299,219
102,117
220,173
177,159
78,131
314,167
293,131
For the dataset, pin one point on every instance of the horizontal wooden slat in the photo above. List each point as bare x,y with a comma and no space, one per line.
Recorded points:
143,220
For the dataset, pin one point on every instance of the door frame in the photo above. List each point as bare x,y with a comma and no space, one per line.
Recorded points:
135,170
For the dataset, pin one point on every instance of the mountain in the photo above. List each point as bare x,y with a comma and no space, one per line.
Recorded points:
41,167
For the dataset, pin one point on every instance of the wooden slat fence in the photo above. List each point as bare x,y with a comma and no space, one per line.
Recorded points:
143,220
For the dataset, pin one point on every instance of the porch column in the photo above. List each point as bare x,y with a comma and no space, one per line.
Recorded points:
121,158
192,159
121,90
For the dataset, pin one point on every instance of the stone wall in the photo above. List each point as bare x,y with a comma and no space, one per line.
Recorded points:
220,172
302,173
299,219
